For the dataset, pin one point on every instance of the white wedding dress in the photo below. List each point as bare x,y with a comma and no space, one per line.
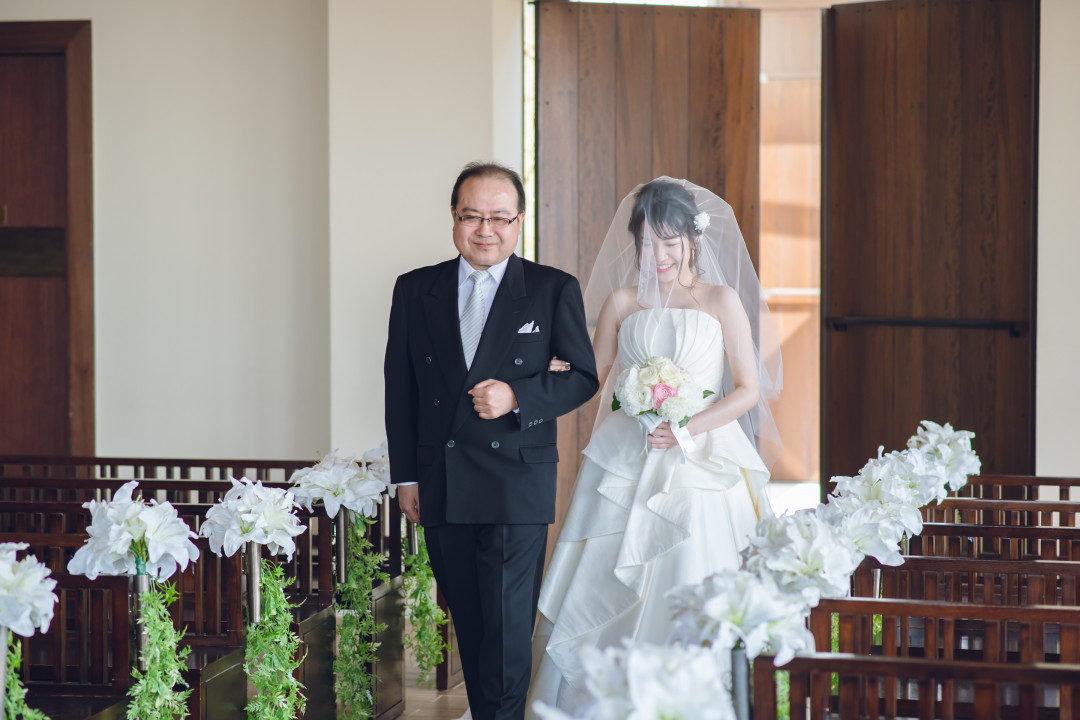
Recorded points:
641,522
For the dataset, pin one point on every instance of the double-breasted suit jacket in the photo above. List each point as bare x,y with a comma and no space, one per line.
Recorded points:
470,470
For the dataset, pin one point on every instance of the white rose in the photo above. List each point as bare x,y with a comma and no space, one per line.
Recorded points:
649,375
671,373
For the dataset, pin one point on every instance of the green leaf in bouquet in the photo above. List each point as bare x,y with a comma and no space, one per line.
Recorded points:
682,423
615,404
707,393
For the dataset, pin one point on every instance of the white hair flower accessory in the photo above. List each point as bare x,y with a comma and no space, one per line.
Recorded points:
701,221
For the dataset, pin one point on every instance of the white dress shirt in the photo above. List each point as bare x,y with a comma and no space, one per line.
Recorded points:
465,283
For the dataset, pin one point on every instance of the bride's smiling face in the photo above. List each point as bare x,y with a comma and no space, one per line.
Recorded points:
670,255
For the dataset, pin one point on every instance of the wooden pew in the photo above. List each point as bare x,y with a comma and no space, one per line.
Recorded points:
1001,542
49,514
1018,487
943,631
980,511
864,682
987,581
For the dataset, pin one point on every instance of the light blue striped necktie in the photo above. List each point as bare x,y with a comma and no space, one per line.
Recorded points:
472,319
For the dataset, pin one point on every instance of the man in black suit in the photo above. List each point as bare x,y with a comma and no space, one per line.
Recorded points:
470,424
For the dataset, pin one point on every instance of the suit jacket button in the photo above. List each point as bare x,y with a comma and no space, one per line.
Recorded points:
518,361
427,360
436,402
450,444
494,444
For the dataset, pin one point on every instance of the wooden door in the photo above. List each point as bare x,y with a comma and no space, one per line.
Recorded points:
46,274
928,232
626,93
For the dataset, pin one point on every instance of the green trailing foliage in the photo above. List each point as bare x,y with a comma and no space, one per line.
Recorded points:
272,656
15,692
423,612
155,696
783,695
354,681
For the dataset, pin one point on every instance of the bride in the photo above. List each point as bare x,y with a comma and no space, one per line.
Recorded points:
659,505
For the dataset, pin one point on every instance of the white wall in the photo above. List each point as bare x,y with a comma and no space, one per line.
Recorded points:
265,168
210,224
1057,374
417,90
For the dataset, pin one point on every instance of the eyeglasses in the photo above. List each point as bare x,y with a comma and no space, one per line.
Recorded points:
476,221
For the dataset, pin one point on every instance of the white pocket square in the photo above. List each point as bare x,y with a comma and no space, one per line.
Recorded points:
529,327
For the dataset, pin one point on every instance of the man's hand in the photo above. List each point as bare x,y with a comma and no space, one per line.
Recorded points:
493,399
408,497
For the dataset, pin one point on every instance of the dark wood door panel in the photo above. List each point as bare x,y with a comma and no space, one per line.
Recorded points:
34,371
929,194
33,180
884,381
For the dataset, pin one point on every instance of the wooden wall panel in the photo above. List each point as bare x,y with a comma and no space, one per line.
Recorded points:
596,182
633,100
742,121
670,92
627,93
557,188
80,242
929,146
707,99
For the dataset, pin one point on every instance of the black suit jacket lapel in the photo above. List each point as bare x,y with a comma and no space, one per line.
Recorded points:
440,310
502,322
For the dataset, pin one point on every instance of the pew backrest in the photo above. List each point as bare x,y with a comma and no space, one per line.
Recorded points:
987,581
869,687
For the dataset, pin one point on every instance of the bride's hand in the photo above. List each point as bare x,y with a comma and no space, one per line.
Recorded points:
662,438
557,365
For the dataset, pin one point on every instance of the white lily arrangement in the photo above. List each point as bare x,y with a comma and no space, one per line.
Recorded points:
651,682
377,460
250,512
343,482
804,555
129,536
950,449
253,513
739,606
27,602
27,597
811,554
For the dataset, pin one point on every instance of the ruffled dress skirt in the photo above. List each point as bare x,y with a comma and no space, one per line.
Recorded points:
640,523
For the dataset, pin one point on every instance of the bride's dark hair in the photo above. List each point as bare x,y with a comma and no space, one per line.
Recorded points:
670,211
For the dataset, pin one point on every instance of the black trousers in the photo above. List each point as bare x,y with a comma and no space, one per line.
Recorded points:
490,577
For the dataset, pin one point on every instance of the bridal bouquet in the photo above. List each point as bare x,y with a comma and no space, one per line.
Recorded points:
659,388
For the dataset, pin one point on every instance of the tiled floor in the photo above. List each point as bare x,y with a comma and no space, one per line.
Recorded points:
424,704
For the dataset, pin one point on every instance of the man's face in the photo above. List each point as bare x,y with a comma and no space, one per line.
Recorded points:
486,197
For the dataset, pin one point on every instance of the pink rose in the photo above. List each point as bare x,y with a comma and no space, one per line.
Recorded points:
660,393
